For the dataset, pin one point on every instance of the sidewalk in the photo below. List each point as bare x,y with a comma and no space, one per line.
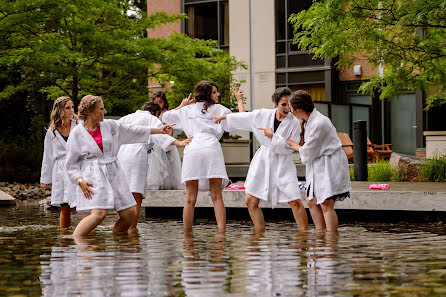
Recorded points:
401,196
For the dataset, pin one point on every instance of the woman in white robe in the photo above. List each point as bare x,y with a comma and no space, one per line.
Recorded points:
327,174
133,157
91,161
53,174
272,174
203,162
165,165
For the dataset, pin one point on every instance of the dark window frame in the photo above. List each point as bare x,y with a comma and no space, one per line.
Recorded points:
220,24
285,53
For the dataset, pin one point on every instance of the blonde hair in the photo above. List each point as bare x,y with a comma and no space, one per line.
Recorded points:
57,113
87,105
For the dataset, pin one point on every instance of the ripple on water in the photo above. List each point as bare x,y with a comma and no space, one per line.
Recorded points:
361,260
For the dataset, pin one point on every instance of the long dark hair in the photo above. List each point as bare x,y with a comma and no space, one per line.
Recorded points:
162,95
203,92
302,100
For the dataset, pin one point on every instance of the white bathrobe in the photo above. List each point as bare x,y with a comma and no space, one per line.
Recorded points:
53,168
85,159
203,157
272,172
326,164
133,157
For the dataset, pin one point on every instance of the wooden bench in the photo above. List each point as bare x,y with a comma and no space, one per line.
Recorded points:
347,145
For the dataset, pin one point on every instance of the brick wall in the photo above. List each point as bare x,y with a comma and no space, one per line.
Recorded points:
169,6
367,70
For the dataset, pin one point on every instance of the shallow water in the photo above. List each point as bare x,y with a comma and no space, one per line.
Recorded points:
364,259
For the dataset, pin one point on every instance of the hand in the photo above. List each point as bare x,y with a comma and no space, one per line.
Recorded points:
185,102
268,132
85,187
219,118
185,142
162,130
293,145
238,94
46,186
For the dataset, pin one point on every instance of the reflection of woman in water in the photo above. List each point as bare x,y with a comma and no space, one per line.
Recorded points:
274,264
93,267
205,270
321,265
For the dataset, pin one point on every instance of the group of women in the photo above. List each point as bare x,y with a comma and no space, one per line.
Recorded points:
98,165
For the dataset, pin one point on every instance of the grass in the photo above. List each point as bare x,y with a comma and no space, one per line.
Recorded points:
379,172
434,170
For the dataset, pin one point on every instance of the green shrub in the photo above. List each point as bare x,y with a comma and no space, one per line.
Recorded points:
434,170
351,171
382,172
379,172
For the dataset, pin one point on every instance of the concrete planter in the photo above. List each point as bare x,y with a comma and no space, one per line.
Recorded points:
435,143
234,151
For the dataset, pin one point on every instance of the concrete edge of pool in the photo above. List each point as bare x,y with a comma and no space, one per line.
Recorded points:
6,199
401,196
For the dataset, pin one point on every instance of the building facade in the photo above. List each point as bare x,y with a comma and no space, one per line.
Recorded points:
258,33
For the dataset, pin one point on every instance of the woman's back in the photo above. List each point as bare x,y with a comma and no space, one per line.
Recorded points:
193,121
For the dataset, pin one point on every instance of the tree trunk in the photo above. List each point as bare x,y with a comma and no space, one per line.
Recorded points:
75,91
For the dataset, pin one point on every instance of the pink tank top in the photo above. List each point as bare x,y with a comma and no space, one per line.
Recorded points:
97,136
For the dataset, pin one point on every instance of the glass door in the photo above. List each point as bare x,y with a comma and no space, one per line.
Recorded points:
403,124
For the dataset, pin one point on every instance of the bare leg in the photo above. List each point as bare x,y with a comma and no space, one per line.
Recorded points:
217,199
255,212
316,214
126,218
65,217
87,224
138,198
300,214
189,204
330,216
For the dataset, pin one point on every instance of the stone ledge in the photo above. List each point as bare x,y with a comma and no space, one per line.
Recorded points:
359,200
6,199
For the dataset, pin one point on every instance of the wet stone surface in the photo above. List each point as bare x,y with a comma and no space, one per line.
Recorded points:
363,259
24,191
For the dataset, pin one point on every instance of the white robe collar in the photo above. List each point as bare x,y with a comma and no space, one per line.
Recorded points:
97,151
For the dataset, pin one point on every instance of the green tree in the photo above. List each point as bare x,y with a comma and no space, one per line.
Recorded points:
406,36
79,47
51,48
214,65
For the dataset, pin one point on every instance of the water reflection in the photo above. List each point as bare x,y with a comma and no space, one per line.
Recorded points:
360,260
205,271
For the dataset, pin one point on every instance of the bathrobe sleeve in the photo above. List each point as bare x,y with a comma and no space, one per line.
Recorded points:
164,141
314,142
174,117
132,133
74,156
46,172
278,142
242,121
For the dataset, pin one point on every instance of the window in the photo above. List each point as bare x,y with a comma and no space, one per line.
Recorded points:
294,68
287,54
208,20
